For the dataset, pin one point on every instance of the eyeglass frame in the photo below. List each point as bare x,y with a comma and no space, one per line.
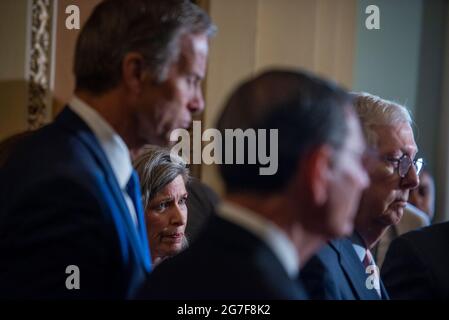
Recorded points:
417,163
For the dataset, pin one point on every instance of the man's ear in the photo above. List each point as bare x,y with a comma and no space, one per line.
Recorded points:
133,71
319,173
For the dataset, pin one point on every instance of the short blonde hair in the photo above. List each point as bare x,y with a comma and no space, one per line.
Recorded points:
373,110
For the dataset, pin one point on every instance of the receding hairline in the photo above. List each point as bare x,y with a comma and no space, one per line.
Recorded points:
167,20
380,111
374,111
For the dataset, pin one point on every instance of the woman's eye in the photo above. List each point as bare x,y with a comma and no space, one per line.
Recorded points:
183,201
161,206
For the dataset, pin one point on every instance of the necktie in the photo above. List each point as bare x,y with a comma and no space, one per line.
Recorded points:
367,262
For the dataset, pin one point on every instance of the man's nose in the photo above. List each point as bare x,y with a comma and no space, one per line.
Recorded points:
411,179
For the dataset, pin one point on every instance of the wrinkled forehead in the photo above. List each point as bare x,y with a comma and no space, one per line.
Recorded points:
395,138
194,44
193,52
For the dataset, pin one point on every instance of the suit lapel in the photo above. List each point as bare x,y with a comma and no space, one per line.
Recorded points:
353,269
141,222
70,120
134,237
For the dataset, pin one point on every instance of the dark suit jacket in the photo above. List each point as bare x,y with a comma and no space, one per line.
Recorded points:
61,205
417,264
201,205
336,273
226,262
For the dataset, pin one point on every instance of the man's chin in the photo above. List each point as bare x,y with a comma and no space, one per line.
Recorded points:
393,217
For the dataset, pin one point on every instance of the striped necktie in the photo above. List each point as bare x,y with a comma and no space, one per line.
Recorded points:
371,268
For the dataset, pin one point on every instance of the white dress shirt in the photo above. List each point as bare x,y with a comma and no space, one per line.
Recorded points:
112,144
266,231
359,246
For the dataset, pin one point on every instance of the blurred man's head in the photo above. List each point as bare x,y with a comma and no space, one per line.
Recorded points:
423,197
320,148
392,167
153,54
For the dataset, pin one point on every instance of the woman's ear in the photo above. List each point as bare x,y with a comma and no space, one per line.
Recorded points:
319,173
133,72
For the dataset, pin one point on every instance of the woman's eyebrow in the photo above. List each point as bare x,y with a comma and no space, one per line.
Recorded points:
164,199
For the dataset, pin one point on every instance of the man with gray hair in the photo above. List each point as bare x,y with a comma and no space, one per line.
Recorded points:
269,225
346,267
71,217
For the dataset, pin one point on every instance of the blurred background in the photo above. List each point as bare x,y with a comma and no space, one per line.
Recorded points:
406,60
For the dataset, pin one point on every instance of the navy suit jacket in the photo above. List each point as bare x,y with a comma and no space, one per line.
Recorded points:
336,273
61,205
417,264
225,262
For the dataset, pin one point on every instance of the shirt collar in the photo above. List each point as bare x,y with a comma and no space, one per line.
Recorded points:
266,231
112,144
358,245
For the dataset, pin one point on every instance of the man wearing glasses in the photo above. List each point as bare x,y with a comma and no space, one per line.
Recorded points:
345,268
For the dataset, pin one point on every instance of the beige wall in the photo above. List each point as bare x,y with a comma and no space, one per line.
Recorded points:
14,15
253,35
316,35
13,87
65,48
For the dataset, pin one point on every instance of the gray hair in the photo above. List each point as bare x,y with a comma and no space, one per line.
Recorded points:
150,27
373,110
156,168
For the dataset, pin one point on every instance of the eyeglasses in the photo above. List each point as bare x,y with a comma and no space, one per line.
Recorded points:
404,163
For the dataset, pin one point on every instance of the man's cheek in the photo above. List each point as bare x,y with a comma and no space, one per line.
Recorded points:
381,172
